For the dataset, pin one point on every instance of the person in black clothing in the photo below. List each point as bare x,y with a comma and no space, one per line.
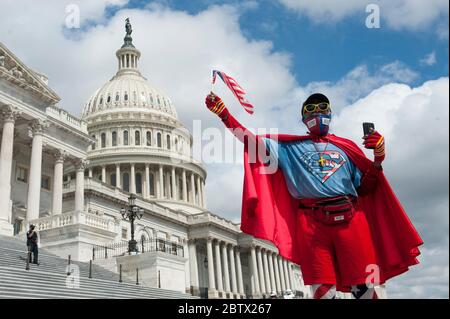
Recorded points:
32,244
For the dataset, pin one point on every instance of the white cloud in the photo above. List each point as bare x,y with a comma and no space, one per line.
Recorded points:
180,50
397,14
429,59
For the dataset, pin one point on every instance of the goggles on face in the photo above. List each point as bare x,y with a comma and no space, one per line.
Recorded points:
319,107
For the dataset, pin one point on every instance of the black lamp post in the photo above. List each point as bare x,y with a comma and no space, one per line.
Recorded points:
131,213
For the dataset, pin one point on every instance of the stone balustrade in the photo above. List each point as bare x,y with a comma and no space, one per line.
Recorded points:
73,218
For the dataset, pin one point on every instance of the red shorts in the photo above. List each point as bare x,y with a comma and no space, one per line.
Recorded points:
336,254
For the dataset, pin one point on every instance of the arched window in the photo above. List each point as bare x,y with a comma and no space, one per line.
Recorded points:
101,100
114,138
158,140
125,97
168,141
117,97
126,182
95,141
103,140
137,138
151,183
149,138
176,145
125,137
138,183
108,100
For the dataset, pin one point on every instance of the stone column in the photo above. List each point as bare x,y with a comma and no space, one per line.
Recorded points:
58,183
147,180
193,267
218,267
132,179
240,282
80,166
262,284
192,189
277,272
103,174
184,186
271,272
34,186
118,182
286,275
6,155
90,172
160,186
174,184
225,268
280,266
290,275
199,191
202,184
266,272
233,269
211,275
254,269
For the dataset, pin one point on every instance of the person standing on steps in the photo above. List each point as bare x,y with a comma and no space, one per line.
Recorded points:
32,244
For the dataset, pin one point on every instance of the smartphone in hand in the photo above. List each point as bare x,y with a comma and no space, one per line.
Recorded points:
368,128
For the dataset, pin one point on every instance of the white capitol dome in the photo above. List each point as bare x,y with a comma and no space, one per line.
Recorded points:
140,146
128,89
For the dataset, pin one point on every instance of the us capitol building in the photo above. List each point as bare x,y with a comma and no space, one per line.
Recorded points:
71,176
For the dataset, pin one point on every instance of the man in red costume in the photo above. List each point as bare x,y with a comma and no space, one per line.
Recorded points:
327,207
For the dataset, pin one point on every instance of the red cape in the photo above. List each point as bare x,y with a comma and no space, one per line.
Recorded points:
269,212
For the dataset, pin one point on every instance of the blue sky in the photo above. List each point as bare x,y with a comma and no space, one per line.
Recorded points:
326,51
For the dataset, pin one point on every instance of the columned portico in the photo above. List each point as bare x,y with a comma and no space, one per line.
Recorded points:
6,155
34,186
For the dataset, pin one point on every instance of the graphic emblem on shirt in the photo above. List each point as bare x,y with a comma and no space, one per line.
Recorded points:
323,164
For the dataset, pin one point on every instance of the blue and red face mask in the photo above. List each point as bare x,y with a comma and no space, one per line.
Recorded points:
318,123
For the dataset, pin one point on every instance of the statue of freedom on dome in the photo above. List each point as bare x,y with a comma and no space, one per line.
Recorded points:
128,39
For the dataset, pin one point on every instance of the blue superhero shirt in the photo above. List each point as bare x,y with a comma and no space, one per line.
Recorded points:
305,177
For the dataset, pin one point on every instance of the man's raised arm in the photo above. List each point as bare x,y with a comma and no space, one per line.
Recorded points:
216,105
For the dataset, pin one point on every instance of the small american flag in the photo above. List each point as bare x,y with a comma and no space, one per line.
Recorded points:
237,90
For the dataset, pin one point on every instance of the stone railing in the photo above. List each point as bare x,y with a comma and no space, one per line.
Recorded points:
66,118
73,218
207,217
